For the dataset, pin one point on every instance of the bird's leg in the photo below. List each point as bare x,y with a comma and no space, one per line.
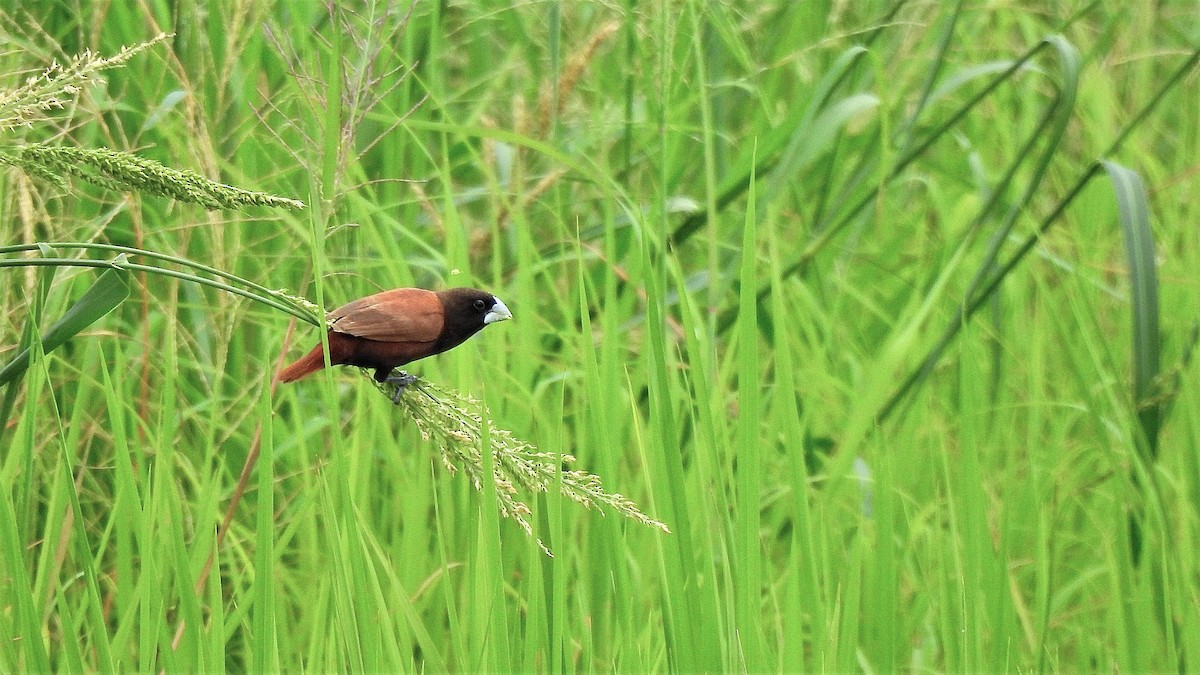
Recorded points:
401,379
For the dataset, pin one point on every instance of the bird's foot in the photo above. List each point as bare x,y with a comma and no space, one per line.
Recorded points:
401,379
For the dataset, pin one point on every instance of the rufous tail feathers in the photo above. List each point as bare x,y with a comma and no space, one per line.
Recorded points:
305,365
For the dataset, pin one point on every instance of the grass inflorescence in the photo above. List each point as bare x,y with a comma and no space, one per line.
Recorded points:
59,85
118,170
454,423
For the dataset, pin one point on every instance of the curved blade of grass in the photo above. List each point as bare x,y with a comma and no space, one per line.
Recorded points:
109,290
1133,214
47,247
814,139
935,67
273,299
29,333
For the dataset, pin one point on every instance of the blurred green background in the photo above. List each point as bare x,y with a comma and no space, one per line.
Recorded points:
837,290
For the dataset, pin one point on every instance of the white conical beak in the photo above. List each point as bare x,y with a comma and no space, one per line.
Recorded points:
499,312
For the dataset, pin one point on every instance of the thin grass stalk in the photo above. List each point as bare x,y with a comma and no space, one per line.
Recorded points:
289,308
154,255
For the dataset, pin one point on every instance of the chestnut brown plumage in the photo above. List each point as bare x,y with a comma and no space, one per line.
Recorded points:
389,329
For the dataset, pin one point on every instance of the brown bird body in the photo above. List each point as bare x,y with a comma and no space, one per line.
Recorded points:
389,329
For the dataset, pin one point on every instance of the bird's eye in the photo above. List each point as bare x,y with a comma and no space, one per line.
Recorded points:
480,305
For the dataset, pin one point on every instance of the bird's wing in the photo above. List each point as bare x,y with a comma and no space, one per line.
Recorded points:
398,315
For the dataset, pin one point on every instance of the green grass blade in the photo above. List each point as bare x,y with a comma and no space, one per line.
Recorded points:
749,462
264,622
28,649
1133,210
108,291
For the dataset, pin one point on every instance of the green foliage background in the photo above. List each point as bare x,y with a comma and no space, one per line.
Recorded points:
729,233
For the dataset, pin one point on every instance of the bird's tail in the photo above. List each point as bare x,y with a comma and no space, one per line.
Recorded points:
309,363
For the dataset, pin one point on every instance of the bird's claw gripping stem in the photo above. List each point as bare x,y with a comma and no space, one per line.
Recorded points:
401,379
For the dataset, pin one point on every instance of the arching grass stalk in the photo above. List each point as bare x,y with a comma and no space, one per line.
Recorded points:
108,292
277,299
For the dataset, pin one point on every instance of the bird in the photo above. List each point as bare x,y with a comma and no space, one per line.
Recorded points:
389,329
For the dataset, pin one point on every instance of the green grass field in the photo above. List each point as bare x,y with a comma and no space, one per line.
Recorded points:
885,308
